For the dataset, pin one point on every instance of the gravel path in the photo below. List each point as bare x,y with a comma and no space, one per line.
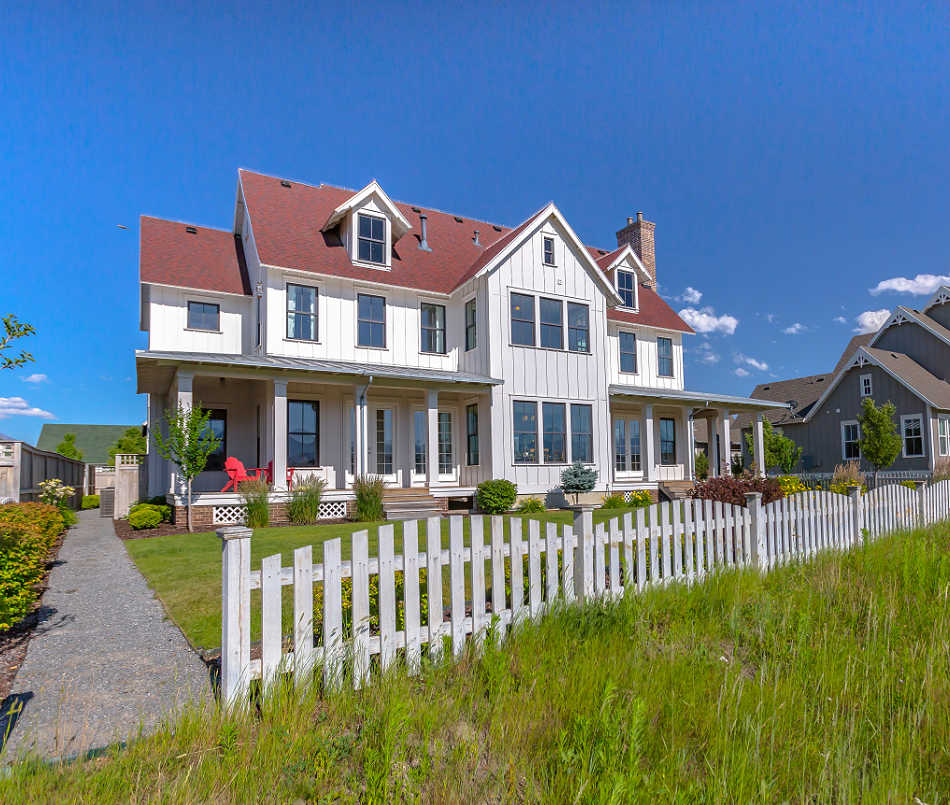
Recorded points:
105,660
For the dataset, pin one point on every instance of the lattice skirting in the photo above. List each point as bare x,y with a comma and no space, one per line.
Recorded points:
333,510
236,513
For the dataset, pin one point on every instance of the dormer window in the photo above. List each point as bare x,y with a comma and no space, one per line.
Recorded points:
548,251
626,287
372,239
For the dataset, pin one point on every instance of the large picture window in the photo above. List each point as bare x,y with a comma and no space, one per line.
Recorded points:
578,327
433,328
522,319
471,433
626,287
664,357
303,433
912,429
204,316
628,353
850,437
371,321
667,441
372,238
301,312
525,427
552,323
555,433
582,433
218,426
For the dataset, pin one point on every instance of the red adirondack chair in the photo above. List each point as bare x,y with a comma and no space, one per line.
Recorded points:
236,473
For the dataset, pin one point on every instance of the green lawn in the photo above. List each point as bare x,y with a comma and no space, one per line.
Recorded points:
185,569
820,682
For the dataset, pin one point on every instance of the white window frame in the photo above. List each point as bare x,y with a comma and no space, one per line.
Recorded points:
867,385
544,256
923,436
844,423
315,314
361,213
943,438
636,300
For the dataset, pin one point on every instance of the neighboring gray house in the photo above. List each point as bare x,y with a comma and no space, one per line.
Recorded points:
906,362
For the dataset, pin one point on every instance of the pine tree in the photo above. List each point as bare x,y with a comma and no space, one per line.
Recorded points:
577,479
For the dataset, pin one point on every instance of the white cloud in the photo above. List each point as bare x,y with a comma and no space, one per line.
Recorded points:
840,320
740,372
794,329
770,317
705,320
706,353
17,406
921,285
871,320
762,366
35,378
691,296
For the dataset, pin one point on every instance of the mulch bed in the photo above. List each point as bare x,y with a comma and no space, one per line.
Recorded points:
124,531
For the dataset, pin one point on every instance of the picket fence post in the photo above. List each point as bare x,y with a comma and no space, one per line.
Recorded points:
584,552
857,512
760,553
921,504
235,613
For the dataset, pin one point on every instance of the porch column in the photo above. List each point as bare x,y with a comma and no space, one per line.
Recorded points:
690,447
725,442
758,444
649,456
432,440
361,449
156,464
280,434
183,399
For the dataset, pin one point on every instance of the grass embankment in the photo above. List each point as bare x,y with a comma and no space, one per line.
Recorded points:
826,682
185,569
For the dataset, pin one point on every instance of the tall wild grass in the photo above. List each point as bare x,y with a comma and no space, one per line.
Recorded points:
255,494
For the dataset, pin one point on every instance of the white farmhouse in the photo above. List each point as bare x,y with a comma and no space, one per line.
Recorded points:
340,333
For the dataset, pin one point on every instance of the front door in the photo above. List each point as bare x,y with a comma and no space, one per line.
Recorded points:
382,444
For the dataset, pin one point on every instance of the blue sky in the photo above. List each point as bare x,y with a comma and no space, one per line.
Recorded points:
792,157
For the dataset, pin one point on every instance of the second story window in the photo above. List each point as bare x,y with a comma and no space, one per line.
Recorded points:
433,328
578,327
866,387
626,287
522,319
203,316
470,329
552,323
664,357
548,251
628,353
301,312
371,239
371,321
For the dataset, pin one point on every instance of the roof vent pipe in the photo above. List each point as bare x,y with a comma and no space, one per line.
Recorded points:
475,239
423,242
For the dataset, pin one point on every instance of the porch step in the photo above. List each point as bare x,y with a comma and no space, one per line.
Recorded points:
410,504
675,490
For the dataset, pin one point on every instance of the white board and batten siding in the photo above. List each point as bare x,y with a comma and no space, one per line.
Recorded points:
647,361
168,322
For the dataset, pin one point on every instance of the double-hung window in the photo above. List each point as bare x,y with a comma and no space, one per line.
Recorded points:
522,319
627,288
548,251
203,316
620,445
303,433
555,433
943,435
850,441
445,442
866,386
301,312
635,445
582,433
218,427
525,428
371,321
667,441
552,323
470,329
912,430
664,357
420,426
628,352
371,239
578,327
471,434
433,328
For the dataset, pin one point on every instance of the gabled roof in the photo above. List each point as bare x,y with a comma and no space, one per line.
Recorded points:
93,441
608,262
400,224
653,312
903,315
799,392
940,297
862,340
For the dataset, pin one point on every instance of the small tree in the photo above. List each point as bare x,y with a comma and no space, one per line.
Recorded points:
781,453
189,442
880,442
577,479
132,442
702,465
12,330
68,448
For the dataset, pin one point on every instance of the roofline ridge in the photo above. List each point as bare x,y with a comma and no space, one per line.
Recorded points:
185,223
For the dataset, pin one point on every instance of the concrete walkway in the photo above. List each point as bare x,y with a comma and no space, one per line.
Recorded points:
104,659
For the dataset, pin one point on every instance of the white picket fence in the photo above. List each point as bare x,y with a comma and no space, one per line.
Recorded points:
678,542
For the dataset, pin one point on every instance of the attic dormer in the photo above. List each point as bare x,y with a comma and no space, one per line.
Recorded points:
369,224
626,273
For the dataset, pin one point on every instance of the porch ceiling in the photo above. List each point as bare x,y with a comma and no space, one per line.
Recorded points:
697,399
156,369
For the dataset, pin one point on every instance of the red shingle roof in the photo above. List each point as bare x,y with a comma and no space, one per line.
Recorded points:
654,312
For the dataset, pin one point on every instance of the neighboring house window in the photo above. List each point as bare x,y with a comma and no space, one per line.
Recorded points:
664,357
866,386
301,312
303,433
578,327
471,432
419,427
552,323
620,445
525,427
203,316
667,441
384,441
548,251
433,328
371,324
626,287
912,428
850,437
218,427
522,319
470,330
943,435
635,445
372,238
555,433
582,433
628,352
445,442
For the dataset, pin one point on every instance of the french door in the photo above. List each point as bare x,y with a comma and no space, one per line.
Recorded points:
382,444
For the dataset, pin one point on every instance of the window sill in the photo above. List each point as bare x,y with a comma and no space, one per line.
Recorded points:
634,373
552,349
202,330
377,266
427,352
378,349
303,340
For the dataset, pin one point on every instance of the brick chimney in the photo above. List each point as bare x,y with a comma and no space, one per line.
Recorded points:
638,234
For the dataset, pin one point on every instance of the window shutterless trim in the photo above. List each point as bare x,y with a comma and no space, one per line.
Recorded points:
436,330
547,240
632,290
314,315
314,433
923,433
189,325
623,352
660,358
471,327
471,435
370,321
370,240
532,321
845,424
516,432
571,331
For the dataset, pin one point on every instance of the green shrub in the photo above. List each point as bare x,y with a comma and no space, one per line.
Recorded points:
369,498
163,509
144,517
256,496
909,484
614,501
158,500
702,465
90,502
496,497
40,517
578,479
531,506
304,504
